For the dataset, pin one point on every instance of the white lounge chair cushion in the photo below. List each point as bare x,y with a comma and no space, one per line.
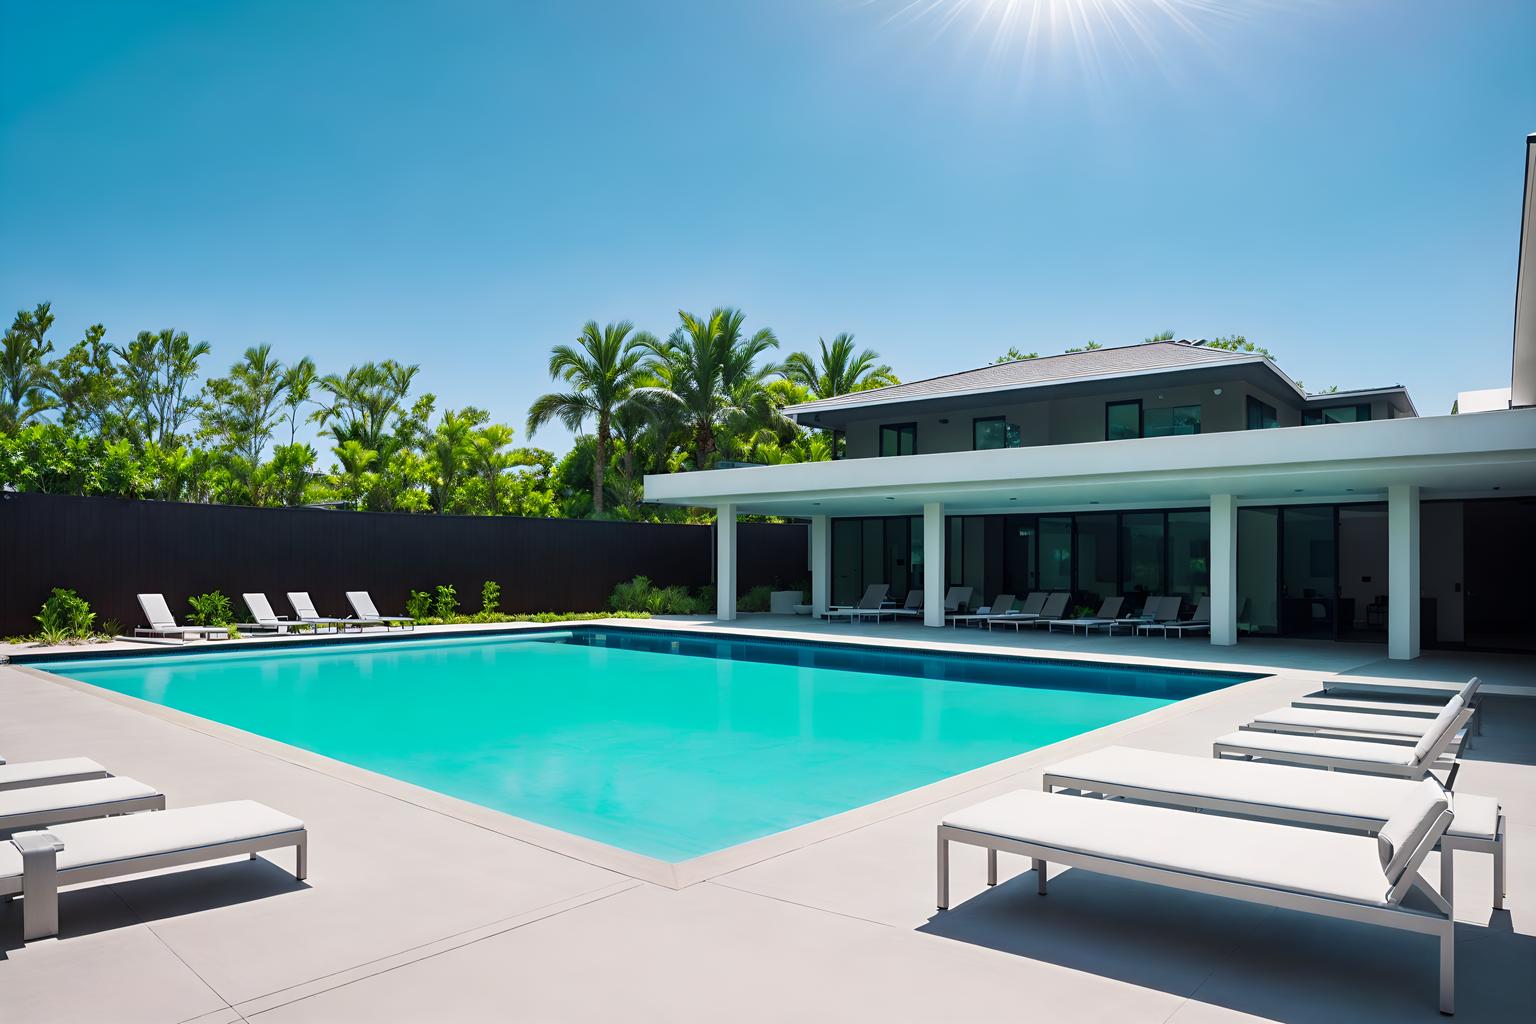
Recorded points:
1441,724
1276,786
1285,857
90,793
89,843
1363,751
1344,721
27,773
1405,830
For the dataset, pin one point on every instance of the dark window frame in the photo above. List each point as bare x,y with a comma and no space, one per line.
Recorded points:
899,428
1317,417
976,421
1262,407
1141,424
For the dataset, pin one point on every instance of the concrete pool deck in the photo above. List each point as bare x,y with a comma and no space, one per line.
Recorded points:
421,911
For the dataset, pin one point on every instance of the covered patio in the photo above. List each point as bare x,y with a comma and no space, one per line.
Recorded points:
1404,464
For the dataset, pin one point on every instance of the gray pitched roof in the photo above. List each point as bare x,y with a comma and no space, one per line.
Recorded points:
1100,362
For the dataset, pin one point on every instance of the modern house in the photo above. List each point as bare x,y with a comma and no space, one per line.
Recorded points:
1170,468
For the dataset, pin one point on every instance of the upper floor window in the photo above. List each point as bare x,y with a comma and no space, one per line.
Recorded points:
993,432
1339,414
1122,420
1261,415
1179,419
898,439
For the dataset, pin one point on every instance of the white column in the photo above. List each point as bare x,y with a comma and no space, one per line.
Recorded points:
725,562
821,566
1223,570
1403,571
933,564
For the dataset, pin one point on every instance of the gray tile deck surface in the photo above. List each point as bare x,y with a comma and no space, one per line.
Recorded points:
413,913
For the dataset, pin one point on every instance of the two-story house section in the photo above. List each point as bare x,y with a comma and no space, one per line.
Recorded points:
1169,469
1108,394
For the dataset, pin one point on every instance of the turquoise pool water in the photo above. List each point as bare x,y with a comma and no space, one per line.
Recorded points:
667,744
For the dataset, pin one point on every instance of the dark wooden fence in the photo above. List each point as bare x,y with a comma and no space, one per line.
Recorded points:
110,549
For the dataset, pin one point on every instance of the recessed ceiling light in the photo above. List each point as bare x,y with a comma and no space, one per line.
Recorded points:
890,499
1298,490
1016,499
1093,503
1495,488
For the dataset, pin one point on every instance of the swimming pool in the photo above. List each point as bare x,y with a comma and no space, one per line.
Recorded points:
667,744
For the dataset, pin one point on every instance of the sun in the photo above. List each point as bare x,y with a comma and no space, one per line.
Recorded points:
1029,35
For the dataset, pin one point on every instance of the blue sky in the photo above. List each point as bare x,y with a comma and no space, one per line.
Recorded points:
462,185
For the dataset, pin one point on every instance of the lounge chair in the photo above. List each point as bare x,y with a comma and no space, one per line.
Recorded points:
1199,622
42,806
362,607
1055,604
25,774
1108,615
1280,793
1002,604
35,865
956,598
1367,756
873,600
1327,722
1353,877
266,618
163,623
1158,608
1420,708
304,611
912,609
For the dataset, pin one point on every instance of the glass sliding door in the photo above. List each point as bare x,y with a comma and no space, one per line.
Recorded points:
847,560
1098,557
1499,544
885,549
1055,560
1309,582
1189,555
1363,573
1019,548
1142,550
1258,571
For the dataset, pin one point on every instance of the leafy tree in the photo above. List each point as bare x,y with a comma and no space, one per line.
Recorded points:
241,411
706,374
1159,336
603,369
25,383
158,372
88,385
1238,343
1086,347
839,371
449,451
1013,355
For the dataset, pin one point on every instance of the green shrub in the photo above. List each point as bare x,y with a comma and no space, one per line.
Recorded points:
51,636
631,596
445,602
110,629
705,605
419,604
66,614
210,609
490,597
758,599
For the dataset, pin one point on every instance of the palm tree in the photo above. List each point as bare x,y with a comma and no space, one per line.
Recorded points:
841,371
25,381
603,369
448,451
707,375
298,387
